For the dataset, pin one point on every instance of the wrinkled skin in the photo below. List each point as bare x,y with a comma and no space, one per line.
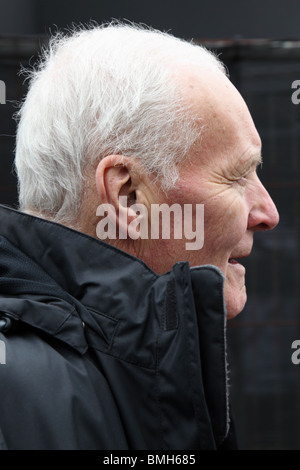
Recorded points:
221,173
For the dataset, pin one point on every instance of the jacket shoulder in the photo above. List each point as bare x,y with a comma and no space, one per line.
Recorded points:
46,390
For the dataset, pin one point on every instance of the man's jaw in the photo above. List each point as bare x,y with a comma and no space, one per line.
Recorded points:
235,287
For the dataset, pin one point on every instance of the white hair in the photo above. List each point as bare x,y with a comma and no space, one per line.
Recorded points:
102,90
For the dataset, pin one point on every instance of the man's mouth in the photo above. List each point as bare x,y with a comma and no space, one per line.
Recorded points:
237,259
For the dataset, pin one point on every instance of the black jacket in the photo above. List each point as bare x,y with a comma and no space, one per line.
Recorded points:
100,352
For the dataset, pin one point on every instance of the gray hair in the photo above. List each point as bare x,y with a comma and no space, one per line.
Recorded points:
97,91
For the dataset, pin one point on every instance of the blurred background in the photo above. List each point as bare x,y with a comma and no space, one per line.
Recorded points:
259,41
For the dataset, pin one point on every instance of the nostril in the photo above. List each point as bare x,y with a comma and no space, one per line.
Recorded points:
263,226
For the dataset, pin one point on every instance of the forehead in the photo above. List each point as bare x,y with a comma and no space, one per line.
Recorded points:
227,133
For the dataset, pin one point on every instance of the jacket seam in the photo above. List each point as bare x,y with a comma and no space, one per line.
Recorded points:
70,314
224,358
120,358
110,346
115,321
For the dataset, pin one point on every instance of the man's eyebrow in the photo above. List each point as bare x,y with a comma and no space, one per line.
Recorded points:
257,159
254,161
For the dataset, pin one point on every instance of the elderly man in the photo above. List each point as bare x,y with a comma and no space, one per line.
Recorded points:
121,343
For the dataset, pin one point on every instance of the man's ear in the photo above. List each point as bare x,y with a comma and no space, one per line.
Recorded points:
116,183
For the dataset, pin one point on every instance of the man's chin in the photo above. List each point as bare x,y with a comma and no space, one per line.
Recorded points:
235,303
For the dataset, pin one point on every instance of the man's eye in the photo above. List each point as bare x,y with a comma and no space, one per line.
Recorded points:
242,181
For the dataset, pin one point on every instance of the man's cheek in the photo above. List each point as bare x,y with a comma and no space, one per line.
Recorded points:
219,229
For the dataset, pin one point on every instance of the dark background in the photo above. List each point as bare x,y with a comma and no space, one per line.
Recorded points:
260,43
190,18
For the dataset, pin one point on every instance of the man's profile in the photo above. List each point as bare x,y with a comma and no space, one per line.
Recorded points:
121,343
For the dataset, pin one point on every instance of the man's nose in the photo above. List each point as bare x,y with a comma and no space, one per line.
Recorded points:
263,214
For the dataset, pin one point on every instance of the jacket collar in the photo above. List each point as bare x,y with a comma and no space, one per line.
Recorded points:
92,271
85,267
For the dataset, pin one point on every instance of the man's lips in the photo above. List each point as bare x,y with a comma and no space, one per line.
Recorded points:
234,258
